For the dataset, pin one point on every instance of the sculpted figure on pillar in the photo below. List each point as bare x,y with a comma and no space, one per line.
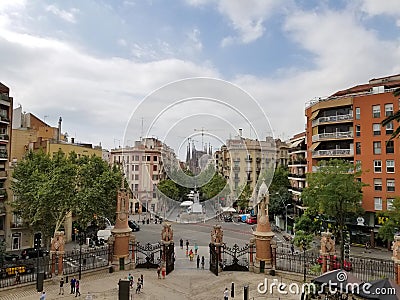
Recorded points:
217,235
58,241
167,233
396,248
327,243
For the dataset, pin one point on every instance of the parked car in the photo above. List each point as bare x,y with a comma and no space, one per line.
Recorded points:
134,226
10,257
252,220
228,219
347,265
10,270
32,253
104,234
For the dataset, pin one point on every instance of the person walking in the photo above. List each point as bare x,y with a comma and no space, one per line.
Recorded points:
226,294
61,292
138,287
202,262
159,272
196,248
198,261
73,281
141,280
130,278
43,296
187,245
181,243
191,255
163,272
77,286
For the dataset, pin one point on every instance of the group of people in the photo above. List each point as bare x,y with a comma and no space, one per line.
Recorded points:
192,254
139,283
161,272
75,286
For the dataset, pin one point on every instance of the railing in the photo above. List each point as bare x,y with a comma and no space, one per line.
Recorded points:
333,152
3,154
338,118
4,119
3,174
89,259
4,137
236,169
297,189
17,225
3,192
332,135
5,97
298,162
297,175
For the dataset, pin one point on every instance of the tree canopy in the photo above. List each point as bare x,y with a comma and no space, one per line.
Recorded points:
49,188
279,193
391,224
334,191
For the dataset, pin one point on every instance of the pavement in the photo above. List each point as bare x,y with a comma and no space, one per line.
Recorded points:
185,282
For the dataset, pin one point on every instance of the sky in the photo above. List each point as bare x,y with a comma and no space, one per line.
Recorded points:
103,65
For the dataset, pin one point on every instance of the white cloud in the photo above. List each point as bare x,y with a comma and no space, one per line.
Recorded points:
69,16
194,39
388,7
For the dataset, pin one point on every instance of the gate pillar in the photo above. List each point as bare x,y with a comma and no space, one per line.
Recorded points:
252,247
167,244
57,252
327,249
396,258
217,236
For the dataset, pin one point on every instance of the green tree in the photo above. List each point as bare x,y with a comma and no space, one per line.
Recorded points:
215,186
245,195
2,252
392,222
169,188
48,189
394,117
334,191
279,193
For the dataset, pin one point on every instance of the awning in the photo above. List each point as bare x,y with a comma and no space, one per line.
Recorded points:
314,115
315,145
296,143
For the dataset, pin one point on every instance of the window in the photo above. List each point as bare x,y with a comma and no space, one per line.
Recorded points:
389,128
378,203
136,177
388,110
358,165
358,113
377,166
148,158
358,148
155,177
376,129
358,130
154,158
154,167
376,111
137,157
389,203
390,185
378,184
136,187
389,147
390,166
136,167
377,148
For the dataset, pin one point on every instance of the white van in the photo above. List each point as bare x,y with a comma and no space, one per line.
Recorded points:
103,234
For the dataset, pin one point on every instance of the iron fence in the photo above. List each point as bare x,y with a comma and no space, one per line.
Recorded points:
367,269
87,259
298,261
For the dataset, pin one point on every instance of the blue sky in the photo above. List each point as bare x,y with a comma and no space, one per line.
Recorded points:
92,62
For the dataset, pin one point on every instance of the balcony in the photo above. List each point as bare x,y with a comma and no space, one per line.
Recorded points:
296,176
4,119
3,174
17,225
4,137
298,162
236,169
249,169
333,119
3,154
3,193
248,159
333,136
333,153
4,99
296,189
2,209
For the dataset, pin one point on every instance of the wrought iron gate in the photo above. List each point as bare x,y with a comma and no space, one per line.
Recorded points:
214,258
235,258
169,257
148,255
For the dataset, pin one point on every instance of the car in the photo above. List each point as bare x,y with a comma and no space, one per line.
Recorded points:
10,270
104,234
228,219
10,257
252,220
32,253
134,226
335,263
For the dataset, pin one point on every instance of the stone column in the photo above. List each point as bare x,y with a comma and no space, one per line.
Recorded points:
57,251
217,237
396,257
252,246
327,249
167,237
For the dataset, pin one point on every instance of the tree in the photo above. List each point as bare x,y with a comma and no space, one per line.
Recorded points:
334,191
394,117
279,193
391,223
215,186
303,240
48,189
169,188
245,195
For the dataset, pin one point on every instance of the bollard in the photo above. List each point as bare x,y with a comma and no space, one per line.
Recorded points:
124,289
246,292
233,290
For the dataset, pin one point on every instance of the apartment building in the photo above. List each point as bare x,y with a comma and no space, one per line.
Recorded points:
242,160
143,166
6,105
347,125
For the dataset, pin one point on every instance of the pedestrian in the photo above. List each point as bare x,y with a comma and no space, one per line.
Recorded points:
196,248
159,272
226,294
198,261
73,281
130,278
202,262
163,272
43,296
17,277
181,243
187,245
77,285
138,287
89,296
191,255
141,280
61,292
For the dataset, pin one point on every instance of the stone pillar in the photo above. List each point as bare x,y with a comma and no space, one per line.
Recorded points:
327,249
217,238
167,237
121,231
57,252
263,234
132,242
273,247
396,257
252,246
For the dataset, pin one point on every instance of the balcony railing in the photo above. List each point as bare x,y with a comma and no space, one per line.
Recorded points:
3,154
338,118
4,97
3,174
4,137
4,119
3,192
333,152
236,169
333,136
248,159
297,189
298,162
297,175
17,225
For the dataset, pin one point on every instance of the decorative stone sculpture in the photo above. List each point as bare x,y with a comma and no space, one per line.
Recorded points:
167,233
217,235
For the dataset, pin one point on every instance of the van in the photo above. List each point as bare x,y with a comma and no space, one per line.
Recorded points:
103,234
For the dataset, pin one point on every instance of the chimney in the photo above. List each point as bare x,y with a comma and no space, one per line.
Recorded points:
240,132
59,130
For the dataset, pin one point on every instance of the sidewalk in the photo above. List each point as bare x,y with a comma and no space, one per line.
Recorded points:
185,282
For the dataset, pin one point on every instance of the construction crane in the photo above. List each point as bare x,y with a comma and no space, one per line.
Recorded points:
202,130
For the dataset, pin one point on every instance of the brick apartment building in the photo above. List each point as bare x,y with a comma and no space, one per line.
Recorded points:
347,125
